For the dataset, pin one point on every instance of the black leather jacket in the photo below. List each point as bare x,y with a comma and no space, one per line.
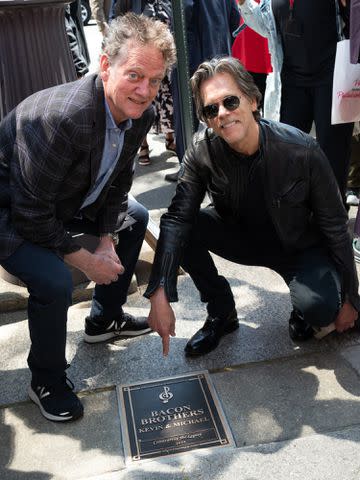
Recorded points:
301,196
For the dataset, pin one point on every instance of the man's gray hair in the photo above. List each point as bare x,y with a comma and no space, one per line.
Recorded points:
233,67
141,30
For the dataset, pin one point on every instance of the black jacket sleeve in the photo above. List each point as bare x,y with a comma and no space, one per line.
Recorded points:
175,226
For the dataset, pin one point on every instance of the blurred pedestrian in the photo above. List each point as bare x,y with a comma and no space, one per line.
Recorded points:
302,40
209,27
164,121
101,10
76,36
253,52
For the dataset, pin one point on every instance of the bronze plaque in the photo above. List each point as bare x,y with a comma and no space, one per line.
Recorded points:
170,416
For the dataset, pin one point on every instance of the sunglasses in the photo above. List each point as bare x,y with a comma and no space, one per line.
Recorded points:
231,103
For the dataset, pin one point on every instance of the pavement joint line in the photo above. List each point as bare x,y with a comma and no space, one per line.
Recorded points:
277,360
349,364
80,393
232,368
15,404
290,439
94,391
238,447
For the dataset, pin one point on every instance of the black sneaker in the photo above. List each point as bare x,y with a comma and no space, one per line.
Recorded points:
299,330
57,402
125,326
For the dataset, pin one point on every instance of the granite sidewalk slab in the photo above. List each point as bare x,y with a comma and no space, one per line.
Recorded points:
288,416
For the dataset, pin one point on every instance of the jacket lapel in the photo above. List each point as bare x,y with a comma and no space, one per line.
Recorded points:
99,122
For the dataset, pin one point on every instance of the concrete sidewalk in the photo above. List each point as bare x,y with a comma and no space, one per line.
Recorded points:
294,410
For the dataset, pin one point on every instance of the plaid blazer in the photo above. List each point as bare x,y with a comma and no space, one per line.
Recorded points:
51,147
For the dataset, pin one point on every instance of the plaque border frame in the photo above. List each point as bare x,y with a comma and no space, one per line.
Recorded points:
129,459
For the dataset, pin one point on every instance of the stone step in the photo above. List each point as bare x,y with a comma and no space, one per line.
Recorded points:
14,295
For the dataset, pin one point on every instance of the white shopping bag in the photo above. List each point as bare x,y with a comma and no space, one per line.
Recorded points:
346,87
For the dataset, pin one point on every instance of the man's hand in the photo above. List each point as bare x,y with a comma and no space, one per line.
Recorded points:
346,317
102,267
161,318
343,2
106,247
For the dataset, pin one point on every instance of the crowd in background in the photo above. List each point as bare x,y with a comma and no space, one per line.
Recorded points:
267,40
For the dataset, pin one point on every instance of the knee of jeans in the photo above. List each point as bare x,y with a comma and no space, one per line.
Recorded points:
320,312
58,287
142,219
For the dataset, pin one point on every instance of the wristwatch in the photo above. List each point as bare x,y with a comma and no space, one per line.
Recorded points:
114,237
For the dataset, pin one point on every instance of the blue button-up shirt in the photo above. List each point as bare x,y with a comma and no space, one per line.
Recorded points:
113,145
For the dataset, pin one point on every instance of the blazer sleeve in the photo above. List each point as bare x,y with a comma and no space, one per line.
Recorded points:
44,153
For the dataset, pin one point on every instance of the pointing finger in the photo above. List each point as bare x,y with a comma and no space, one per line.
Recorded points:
166,344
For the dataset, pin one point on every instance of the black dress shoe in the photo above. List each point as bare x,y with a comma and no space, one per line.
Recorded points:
299,330
208,337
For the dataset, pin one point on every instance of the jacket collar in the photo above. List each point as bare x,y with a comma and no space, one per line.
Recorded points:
99,122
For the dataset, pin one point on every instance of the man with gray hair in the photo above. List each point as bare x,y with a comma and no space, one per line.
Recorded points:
266,181
66,165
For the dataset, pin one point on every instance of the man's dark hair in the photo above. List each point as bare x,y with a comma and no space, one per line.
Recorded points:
233,67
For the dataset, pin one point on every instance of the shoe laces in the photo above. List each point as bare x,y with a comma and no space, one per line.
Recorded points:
68,382
64,382
48,389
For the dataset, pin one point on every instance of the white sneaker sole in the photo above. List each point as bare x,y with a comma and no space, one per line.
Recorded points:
321,332
49,416
110,335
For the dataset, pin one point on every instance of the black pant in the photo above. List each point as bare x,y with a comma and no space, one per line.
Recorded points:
49,282
301,106
310,275
260,82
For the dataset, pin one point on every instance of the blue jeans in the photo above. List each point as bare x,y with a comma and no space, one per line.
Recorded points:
49,283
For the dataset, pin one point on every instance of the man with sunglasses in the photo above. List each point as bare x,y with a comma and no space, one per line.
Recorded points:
266,180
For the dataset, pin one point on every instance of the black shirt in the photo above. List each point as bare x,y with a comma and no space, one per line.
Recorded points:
245,205
309,36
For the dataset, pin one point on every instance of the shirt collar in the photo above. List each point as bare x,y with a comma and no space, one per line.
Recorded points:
110,122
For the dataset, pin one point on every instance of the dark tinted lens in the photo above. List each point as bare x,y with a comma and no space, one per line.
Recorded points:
231,102
210,111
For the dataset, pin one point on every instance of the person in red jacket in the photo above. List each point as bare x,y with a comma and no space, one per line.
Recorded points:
252,51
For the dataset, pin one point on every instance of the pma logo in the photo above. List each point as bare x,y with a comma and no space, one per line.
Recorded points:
166,395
